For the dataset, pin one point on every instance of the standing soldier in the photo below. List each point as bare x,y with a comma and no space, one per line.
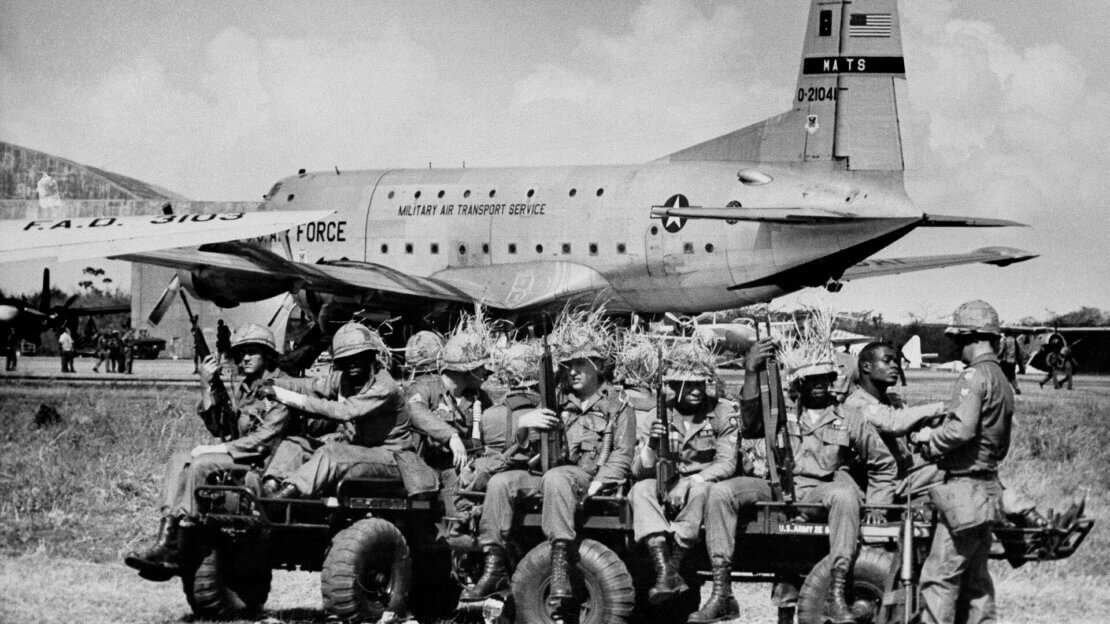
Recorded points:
1010,358
65,343
359,393
101,351
589,408
11,349
956,584
127,362
702,439
257,426
445,406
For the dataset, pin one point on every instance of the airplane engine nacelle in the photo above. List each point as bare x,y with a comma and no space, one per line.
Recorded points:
228,289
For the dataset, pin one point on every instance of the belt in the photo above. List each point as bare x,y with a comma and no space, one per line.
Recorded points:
982,475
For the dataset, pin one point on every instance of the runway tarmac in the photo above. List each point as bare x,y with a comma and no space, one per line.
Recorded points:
49,369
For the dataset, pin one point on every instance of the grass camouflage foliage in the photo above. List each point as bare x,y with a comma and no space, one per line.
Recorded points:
84,491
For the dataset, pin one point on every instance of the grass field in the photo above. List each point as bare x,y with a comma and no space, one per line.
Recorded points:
77,495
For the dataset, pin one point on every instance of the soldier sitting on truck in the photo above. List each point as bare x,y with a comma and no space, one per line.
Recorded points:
445,407
360,394
825,440
258,425
701,433
588,410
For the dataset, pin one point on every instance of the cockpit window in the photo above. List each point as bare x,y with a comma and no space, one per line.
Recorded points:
273,190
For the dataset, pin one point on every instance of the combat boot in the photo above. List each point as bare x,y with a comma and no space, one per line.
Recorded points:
495,575
159,562
668,581
721,605
836,607
560,572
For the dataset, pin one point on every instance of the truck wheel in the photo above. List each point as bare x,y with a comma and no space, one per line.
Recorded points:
219,584
867,583
367,571
602,585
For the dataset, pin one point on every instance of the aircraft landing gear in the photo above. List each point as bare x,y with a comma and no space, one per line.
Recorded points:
834,285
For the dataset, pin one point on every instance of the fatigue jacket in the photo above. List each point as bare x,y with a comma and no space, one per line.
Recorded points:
261,422
438,415
831,444
975,435
585,423
706,447
373,416
499,423
893,420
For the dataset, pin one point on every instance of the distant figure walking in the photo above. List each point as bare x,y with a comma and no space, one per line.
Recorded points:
1065,364
65,343
11,349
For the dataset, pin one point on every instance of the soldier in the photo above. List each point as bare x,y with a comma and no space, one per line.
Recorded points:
445,407
101,351
359,393
65,344
590,408
259,425
11,349
127,359
956,584
888,414
223,340
702,435
1010,358
825,440
422,353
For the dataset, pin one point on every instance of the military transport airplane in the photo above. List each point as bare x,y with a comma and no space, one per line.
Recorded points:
801,199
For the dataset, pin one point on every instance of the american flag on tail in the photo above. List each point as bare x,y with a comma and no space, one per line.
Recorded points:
870,24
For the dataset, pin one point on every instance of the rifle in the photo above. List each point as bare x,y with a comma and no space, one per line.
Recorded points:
553,448
221,419
665,471
784,447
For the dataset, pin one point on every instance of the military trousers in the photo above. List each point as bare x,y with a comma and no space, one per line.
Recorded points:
956,584
724,501
649,517
839,502
183,473
336,460
561,487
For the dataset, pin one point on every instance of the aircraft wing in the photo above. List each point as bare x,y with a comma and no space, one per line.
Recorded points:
94,237
875,267
512,288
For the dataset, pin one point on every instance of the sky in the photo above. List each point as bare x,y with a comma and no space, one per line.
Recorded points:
1010,107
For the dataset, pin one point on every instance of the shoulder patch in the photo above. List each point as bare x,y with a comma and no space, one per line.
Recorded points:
416,398
734,422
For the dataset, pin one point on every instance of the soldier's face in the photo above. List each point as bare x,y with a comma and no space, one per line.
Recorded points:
691,394
356,369
582,376
251,359
883,366
816,391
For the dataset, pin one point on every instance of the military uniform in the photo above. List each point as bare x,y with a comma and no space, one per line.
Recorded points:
893,420
438,415
955,581
501,450
562,487
261,425
705,445
376,426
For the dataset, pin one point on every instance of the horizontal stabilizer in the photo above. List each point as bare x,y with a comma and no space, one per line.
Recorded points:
934,220
876,267
761,215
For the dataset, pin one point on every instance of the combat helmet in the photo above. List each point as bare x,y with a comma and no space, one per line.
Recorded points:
808,352
468,346
253,334
975,317
583,334
422,351
638,360
518,365
689,361
353,339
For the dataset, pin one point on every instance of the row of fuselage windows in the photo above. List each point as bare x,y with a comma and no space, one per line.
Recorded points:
492,193
565,248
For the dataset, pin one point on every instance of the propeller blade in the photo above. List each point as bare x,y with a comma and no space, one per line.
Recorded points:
69,301
44,296
165,301
287,305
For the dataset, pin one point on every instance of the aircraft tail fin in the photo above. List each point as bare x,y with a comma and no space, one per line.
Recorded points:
912,351
851,87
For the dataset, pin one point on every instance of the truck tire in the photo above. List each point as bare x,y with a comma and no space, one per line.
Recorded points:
602,582
867,584
366,572
218,583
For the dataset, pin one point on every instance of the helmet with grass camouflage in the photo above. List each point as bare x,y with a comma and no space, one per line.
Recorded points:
689,361
422,351
975,317
253,334
353,338
518,366
464,351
